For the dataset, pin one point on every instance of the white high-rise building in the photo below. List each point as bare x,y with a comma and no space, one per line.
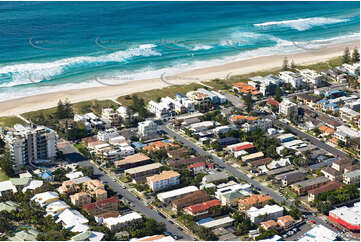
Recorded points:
31,144
287,107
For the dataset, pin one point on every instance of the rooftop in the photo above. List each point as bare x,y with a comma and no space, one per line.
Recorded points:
330,186
177,192
163,176
349,215
138,157
143,168
196,208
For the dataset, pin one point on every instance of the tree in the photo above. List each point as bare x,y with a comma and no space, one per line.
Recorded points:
51,236
355,55
248,102
277,95
60,110
285,64
293,65
6,163
346,58
68,109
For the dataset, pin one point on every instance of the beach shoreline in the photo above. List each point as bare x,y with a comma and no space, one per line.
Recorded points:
48,100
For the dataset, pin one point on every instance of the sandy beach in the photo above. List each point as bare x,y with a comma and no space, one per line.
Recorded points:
42,101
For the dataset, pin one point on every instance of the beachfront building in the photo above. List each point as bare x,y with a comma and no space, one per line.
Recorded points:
312,77
294,79
31,144
201,100
160,110
111,117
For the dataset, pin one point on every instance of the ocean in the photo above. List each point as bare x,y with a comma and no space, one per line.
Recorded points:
52,46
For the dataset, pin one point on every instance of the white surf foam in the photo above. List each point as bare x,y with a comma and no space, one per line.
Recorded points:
303,23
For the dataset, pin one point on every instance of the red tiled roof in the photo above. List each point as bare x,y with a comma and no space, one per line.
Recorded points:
243,147
203,206
100,203
273,102
195,165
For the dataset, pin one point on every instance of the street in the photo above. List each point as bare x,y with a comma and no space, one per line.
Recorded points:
73,156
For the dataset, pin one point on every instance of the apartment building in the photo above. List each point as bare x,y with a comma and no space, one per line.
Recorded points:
329,186
102,206
107,134
118,223
352,177
268,212
140,173
294,79
80,199
257,124
147,128
160,110
253,201
31,144
312,77
200,99
138,159
68,187
95,188
195,197
164,180
111,117
303,187
349,115
288,108
201,210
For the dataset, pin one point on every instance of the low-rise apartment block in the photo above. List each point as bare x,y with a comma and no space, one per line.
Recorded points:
102,206
257,201
190,199
131,161
164,180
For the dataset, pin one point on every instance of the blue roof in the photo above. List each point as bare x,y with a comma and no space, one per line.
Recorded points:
323,101
180,94
138,145
46,174
205,220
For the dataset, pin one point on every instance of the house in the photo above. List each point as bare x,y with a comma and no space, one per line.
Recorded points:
80,198
291,177
268,212
329,186
155,146
201,210
343,132
45,198
88,236
331,173
326,130
98,207
8,206
270,224
242,118
189,199
20,183
219,223
164,180
351,168
178,153
260,162
56,207
303,187
263,124
216,176
244,88
118,223
47,176
349,115
284,138
255,200
71,218
166,197
197,168
131,161
252,157
25,235
139,174
340,164
225,188
347,217
74,175
228,141
285,221
160,110
278,163
231,198
352,177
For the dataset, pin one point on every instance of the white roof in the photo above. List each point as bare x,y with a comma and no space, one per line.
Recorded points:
70,218
73,175
7,185
268,209
284,136
348,131
122,219
25,175
80,228
56,207
143,168
177,192
349,111
319,233
43,198
218,222
292,143
349,215
33,185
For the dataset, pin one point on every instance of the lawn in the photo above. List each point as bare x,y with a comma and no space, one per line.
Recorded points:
10,121
3,176
158,93
94,106
337,61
